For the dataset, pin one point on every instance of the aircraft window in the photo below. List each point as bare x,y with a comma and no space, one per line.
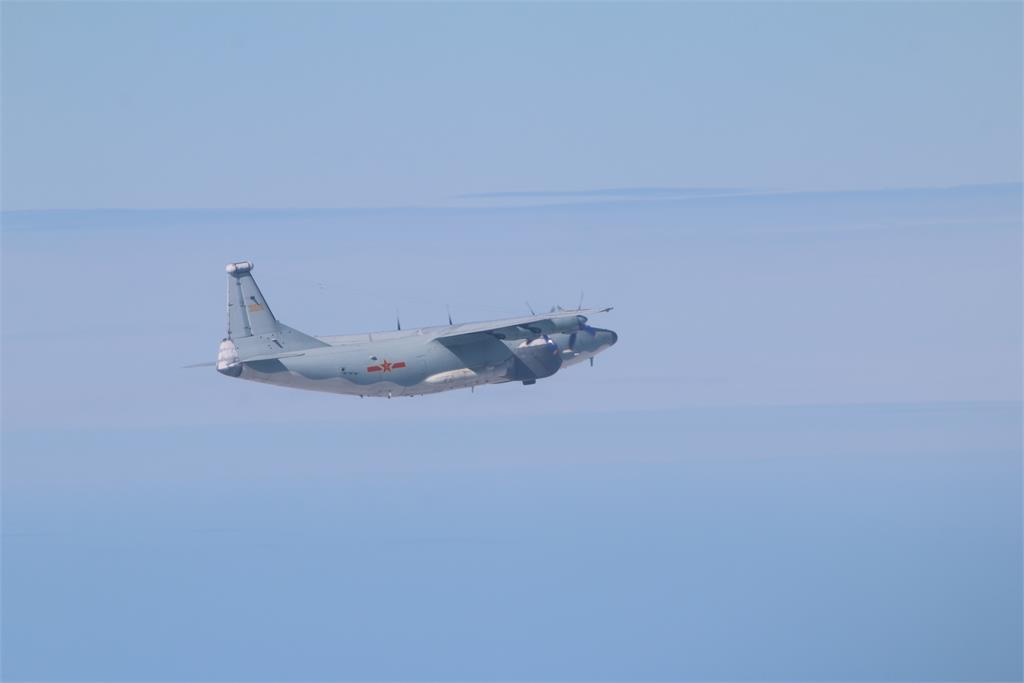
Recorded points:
374,358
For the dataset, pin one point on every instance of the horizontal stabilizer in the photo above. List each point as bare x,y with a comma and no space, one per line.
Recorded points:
272,356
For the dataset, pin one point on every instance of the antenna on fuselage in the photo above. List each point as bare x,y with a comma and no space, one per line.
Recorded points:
398,320
530,308
581,301
449,309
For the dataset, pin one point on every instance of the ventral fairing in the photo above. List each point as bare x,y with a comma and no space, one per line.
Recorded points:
401,362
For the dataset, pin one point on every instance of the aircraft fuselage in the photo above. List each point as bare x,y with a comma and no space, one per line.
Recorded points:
411,364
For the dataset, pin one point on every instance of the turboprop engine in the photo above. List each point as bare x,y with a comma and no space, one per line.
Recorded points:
565,324
533,360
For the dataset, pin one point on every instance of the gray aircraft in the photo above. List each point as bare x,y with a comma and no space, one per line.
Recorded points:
400,362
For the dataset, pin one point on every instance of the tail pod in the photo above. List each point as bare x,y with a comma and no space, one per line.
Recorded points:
251,324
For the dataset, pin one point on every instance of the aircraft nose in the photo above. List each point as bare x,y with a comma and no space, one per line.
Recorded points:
607,337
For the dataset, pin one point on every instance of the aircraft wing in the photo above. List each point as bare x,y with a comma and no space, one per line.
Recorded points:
527,327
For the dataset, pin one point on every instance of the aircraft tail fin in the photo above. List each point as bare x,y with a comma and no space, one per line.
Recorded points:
248,313
250,320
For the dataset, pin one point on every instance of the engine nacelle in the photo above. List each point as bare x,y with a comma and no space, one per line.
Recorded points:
534,360
567,324
563,325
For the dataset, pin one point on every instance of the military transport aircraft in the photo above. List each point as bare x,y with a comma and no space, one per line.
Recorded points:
399,362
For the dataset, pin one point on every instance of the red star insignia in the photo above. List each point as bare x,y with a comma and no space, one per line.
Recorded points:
385,366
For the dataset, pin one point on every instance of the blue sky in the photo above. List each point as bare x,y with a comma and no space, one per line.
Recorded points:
162,105
802,460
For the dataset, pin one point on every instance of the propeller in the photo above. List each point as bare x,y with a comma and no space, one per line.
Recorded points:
553,345
583,328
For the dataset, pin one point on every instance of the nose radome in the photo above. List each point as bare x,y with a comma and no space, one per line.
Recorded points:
608,337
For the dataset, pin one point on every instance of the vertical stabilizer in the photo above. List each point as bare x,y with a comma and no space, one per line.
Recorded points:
248,313
252,327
